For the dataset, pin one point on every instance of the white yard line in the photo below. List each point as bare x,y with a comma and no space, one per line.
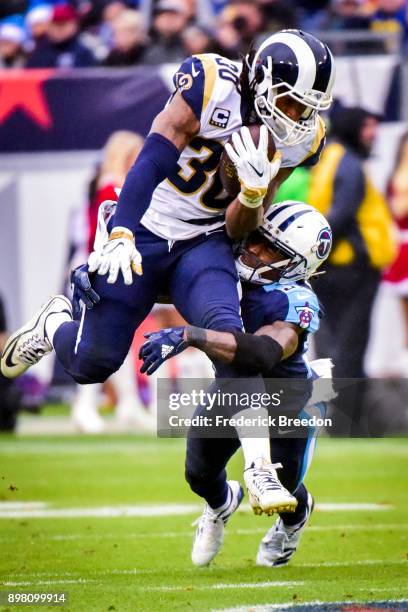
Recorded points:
102,511
40,510
350,507
16,505
26,583
353,563
207,587
237,585
219,586
62,537
141,572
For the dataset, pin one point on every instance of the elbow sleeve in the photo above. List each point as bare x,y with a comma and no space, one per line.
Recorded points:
256,354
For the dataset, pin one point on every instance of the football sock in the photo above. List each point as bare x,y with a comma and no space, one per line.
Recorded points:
53,322
225,505
291,519
217,498
254,448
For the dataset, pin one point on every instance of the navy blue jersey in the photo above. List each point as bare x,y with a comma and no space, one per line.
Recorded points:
296,303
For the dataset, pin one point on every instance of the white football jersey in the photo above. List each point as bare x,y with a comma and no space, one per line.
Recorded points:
192,201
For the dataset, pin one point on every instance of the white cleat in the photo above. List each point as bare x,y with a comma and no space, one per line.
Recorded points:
281,542
30,343
209,536
265,490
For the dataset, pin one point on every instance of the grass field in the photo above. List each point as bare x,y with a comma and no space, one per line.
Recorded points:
143,562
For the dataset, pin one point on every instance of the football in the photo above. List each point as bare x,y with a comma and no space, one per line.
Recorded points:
227,171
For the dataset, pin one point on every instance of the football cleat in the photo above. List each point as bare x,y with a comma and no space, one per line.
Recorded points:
30,343
281,542
265,490
209,536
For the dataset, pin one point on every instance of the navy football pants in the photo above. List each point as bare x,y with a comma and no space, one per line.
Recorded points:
207,458
200,277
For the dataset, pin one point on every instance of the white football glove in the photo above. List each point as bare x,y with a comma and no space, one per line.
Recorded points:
254,169
118,253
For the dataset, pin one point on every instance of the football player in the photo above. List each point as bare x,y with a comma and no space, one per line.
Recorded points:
279,310
172,206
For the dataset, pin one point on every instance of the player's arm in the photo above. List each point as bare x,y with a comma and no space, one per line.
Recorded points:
251,353
171,131
256,174
259,351
239,217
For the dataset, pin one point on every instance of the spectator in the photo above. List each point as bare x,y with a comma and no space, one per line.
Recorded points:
129,40
396,277
119,154
199,39
362,243
350,14
170,18
278,15
238,25
62,47
12,37
313,14
12,7
110,10
392,16
37,21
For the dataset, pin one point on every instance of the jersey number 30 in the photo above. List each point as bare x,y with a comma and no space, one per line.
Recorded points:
200,170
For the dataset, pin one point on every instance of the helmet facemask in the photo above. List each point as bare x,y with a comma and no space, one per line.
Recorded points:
284,129
292,266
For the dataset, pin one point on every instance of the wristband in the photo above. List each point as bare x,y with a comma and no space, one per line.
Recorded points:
121,232
251,197
195,336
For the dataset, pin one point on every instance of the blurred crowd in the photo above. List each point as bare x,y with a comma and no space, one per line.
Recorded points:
83,33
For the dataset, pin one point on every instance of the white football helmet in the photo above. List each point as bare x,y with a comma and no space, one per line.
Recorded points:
296,64
299,232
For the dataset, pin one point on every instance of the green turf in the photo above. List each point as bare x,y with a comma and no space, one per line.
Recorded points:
144,563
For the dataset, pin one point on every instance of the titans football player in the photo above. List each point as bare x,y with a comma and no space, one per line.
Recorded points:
279,311
167,235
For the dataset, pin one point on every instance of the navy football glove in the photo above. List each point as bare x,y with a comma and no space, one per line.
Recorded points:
160,346
82,290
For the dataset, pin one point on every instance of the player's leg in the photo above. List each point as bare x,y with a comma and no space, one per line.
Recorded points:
206,459
282,540
204,288
94,347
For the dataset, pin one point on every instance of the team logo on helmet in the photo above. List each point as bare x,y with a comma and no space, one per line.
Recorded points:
324,243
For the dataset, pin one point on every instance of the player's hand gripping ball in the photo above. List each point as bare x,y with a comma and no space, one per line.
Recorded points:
249,163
